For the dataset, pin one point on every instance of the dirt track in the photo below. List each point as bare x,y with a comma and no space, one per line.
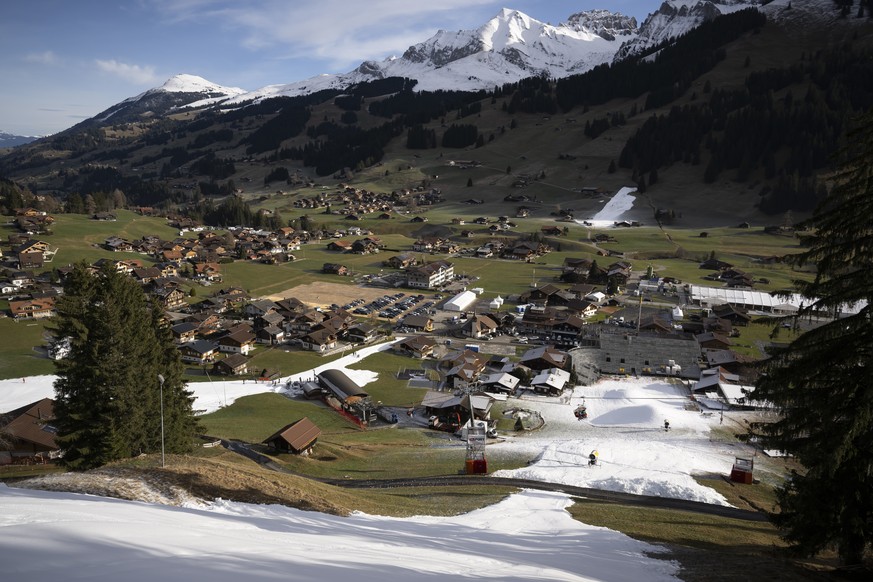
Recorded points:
322,294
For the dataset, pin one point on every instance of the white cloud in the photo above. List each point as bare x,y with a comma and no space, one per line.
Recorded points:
131,73
43,58
339,32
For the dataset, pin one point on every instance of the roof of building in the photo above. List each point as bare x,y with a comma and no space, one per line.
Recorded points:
30,423
340,384
299,435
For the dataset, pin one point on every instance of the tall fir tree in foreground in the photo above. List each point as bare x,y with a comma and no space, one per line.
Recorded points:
821,382
107,395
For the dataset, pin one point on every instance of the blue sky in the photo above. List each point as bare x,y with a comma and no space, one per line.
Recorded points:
62,61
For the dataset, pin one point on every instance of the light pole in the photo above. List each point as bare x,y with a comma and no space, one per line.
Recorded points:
161,380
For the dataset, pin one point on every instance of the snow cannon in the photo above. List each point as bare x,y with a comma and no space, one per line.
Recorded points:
592,458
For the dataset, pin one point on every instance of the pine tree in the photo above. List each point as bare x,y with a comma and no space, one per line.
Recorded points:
820,382
107,395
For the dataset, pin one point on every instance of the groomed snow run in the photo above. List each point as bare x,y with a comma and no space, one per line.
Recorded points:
49,536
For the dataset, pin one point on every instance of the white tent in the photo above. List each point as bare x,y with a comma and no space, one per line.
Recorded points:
460,302
496,303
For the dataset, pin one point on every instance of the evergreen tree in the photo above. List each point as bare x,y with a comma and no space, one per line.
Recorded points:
107,395
819,382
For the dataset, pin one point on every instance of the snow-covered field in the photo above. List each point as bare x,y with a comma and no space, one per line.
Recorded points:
625,426
526,537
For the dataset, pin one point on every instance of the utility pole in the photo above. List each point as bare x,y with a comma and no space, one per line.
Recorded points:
163,458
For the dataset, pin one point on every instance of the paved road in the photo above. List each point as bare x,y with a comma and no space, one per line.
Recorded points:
479,480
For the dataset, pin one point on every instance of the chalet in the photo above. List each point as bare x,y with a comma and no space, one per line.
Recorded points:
170,297
550,381
198,352
362,333
736,315
582,307
145,275
365,246
319,341
713,341
207,272
260,307
30,428
335,269
567,332
418,322
449,406
656,324
526,250
297,438
722,386
232,365
240,342
32,308
185,332
426,245
430,276
479,326
543,358
464,368
268,319
118,244
270,335
30,260
577,264
499,382
305,321
418,346
552,231
339,245
207,323
401,261
419,219
548,295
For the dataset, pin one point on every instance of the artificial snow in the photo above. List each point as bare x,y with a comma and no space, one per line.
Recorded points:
49,536
528,536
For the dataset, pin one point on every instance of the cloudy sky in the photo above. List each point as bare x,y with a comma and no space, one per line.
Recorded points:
62,61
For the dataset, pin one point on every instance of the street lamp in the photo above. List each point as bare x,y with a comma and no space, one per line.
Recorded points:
161,380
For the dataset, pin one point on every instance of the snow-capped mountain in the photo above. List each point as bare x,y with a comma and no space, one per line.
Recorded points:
8,140
178,92
509,47
676,17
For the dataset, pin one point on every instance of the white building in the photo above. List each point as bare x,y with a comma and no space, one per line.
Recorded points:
461,301
430,276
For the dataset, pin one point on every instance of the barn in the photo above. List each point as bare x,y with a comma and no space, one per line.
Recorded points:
297,438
